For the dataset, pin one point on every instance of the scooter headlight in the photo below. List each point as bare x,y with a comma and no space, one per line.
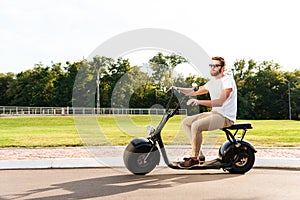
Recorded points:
150,130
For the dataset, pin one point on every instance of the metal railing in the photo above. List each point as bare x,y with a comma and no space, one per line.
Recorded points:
22,111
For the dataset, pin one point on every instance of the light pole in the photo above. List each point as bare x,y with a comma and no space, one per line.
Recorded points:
289,93
98,90
289,97
99,71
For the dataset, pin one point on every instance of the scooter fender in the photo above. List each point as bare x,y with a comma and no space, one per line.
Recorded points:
227,148
142,142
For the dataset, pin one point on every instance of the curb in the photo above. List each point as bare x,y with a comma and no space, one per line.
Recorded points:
277,163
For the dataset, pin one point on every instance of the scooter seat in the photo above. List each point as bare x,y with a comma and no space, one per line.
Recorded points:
240,125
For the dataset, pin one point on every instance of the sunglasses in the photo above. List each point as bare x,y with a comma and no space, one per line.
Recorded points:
214,65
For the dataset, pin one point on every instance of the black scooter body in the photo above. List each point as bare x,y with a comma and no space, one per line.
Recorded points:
235,155
231,154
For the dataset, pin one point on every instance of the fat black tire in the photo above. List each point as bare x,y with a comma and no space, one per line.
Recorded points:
134,159
244,163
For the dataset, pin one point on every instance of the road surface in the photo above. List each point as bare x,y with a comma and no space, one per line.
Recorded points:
163,183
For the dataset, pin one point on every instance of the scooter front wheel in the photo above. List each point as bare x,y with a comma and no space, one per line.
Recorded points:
142,160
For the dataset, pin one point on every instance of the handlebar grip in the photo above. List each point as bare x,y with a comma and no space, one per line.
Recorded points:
196,88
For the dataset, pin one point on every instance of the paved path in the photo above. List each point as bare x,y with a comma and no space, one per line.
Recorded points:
106,183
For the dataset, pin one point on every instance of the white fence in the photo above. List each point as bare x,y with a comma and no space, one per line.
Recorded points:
19,111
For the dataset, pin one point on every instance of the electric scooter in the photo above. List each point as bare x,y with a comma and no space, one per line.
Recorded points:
236,155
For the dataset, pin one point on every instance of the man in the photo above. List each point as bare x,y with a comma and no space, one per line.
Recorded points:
223,93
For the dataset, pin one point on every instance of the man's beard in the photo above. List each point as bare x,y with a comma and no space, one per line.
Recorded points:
216,73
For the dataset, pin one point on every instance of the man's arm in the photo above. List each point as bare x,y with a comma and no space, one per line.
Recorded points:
216,102
192,92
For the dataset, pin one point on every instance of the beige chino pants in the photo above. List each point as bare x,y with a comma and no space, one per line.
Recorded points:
207,121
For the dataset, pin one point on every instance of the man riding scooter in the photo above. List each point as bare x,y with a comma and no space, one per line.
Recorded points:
223,93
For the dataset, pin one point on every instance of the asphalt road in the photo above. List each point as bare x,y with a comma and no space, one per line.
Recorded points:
163,183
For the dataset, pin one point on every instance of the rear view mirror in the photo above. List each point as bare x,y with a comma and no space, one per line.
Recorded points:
195,86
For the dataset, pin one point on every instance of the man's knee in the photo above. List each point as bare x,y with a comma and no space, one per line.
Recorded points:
186,122
196,127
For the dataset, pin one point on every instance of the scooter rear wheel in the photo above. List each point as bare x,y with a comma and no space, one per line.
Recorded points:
141,161
243,161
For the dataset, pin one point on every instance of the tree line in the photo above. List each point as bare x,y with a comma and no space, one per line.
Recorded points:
264,90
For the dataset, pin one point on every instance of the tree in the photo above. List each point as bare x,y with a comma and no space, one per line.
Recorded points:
84,88
126,86
163,67
243,71
100,64
5,81
34,87
262,90
63,85
269,90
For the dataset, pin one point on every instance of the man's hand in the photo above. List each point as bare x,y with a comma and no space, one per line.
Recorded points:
192,102
171,88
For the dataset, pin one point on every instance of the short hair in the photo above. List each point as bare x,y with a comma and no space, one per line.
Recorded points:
222,61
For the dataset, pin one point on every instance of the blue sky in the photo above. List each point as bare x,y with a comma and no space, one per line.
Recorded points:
34,31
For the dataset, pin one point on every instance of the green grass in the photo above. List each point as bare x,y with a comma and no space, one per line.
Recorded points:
119,130
38,131
275,133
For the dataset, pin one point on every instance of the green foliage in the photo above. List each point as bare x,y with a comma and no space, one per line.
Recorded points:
5,81
34,87
263,88
163,67
64,85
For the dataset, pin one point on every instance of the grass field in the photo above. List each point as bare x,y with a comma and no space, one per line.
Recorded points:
119,130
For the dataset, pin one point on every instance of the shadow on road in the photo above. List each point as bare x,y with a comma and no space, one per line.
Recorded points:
112,185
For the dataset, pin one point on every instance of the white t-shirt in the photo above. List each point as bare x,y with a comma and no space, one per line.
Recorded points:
215,87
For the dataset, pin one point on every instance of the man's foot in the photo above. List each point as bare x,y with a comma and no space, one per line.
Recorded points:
188,162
